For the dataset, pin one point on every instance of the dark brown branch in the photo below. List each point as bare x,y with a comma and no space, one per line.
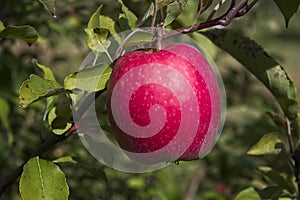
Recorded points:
233,12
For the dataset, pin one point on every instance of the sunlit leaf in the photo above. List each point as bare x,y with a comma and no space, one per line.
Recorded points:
41,179
98,30
36,88
91,79
288,9
173,10
96,39
130,16
26,33
248,193
49,5
266,145
65,159
263,66
160,4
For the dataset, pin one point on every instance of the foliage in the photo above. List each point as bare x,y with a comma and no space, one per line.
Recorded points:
255,157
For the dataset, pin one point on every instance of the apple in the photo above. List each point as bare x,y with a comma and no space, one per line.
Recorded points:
164,105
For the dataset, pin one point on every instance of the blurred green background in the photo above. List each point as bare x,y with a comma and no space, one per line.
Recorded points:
61,46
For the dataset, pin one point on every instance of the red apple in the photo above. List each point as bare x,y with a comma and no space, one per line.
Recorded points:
164,105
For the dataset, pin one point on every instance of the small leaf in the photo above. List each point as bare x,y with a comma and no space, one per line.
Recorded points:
98,30
50,6
96,39
2,27
288,9
248,193
277,177
47,72
91,79
65,159
130,16
41,179
260,64
271,192
58,118
266,145
173,10
36,88
139,37
160,4
26,33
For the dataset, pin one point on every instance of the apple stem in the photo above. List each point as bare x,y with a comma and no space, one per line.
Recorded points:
159,32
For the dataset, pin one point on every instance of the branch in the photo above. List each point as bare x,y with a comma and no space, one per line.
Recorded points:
234,11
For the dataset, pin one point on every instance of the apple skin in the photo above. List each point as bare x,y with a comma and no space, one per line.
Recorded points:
164,106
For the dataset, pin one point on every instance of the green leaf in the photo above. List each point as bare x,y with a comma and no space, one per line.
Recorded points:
266,145
277,177
96,39
288,9
130,16
36,88
139,36
160,4
98,30
26,33
41,179
259,63
173,10
271,192
248,193
65,159
58,119
91,79
47,72
4,118
50,6
2,27
99,21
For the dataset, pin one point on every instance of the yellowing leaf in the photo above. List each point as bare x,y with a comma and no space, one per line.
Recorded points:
266,145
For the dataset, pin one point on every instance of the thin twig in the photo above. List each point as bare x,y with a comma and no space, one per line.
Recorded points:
154,14
289,135
216,8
